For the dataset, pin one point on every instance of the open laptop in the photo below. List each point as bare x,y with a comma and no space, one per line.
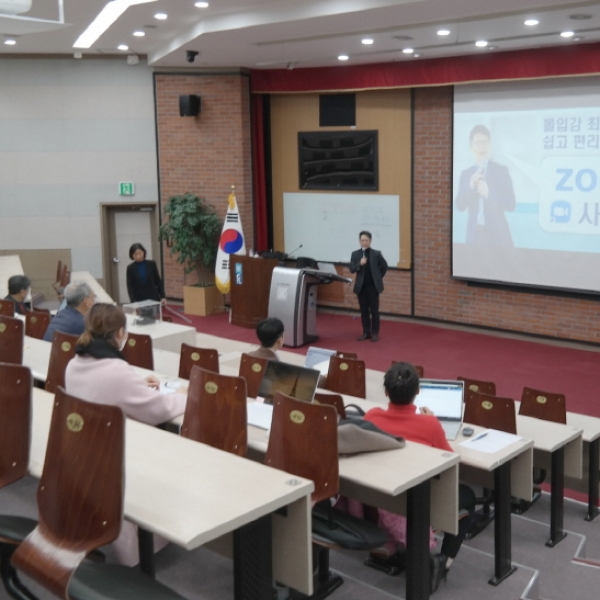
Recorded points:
445,398
291,380
316,356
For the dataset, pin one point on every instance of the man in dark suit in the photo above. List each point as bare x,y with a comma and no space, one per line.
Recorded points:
486,191
370,267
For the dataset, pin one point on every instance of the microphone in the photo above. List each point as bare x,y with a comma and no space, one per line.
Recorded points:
296,250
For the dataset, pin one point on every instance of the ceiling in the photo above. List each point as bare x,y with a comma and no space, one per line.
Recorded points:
306,33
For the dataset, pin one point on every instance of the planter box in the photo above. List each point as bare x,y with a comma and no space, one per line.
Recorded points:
202,301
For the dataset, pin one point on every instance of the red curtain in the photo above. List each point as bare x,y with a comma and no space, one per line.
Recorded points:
259,182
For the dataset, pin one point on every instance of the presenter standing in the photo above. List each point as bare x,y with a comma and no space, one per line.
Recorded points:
143,280
370,267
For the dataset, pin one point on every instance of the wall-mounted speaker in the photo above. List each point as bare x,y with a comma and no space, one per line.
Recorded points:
189,106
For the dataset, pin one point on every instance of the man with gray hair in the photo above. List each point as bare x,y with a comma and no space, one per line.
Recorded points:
80,298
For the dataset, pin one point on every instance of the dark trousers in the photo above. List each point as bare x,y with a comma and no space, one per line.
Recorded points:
466,501
368,300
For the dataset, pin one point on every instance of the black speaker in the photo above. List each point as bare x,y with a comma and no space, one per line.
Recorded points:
189,106
337,110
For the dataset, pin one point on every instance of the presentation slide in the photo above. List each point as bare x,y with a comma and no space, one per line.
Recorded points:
526,183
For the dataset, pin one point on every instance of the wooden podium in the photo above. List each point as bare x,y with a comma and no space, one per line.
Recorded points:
250,288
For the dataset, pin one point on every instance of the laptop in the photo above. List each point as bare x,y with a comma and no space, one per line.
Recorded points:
445,398
291,380
316,356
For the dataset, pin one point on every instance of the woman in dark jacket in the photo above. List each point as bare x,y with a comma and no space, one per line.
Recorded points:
143,280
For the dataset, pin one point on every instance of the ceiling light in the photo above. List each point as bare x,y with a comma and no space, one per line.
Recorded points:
416,55
107,16
492,47
161,16
578,38
408,50
10,42
532,22
122,47
139,33
481,43
343,57
201,4
443,32
367,41
567,34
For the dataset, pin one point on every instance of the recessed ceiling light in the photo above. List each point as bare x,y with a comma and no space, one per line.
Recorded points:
201,4
122,47
578,38
139,33
532,22
161,16
10,42
443,32
408,50
416,55
492,47
367,41
343,57
567,34
481,43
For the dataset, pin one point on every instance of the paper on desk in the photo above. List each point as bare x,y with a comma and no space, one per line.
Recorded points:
169,387
490,441
260,415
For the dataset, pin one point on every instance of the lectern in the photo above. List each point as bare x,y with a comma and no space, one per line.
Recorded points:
293,299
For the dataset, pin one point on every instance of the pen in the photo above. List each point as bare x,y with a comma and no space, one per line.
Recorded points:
479,437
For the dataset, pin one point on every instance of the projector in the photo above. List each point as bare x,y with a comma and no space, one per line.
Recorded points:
14,7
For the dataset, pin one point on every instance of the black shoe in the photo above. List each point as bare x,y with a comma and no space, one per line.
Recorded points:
374,337
392,565
363,337
439,571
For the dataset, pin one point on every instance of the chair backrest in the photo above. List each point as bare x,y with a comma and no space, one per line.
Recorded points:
303,441
206,358
418,368
36,324
15,422
58,271
80,497
138,351
352,355
7,308
65,276
543,405
167,318
305,262
334,400
252,369
491,412
347,376
11,340
476,385
63,350
215,412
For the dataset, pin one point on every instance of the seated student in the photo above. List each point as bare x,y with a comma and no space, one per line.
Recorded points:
80,298
401,384
99,373
270,333
18,290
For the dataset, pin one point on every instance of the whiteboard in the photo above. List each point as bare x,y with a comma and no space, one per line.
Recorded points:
327,225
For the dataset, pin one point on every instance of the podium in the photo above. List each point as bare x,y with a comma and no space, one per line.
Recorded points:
293,299
249,293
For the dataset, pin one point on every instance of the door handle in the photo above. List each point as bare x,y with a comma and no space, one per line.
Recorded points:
115,260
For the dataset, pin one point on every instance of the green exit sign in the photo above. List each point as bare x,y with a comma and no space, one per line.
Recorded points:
126,188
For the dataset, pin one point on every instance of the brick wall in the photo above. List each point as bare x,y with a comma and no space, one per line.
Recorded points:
207,154
436,295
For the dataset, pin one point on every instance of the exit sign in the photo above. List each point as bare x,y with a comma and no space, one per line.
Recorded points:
126,189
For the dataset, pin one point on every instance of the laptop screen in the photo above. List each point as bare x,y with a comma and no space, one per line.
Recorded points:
443,397
291,380
314,356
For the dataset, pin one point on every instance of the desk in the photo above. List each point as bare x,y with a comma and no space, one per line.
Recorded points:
166,336
192,494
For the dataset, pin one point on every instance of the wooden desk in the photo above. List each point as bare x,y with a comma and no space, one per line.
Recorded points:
192,494
165,336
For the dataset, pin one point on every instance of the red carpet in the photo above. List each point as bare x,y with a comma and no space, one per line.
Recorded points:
446,353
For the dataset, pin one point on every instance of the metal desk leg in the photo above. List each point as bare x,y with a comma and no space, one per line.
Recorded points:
593,479
252,561
557,498
418,580
502,526
146,549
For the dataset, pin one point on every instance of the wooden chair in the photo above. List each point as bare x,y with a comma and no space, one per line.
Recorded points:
7,308
543,405
138,351
167,318
63,350
491,412
65,276
252,370
215,413
418,368
80,502
475,385
15,433
303,442
36,323
334,400
202,357
11,340
347,376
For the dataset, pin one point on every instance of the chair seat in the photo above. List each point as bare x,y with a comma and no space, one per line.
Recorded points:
93,581
347,531
15,529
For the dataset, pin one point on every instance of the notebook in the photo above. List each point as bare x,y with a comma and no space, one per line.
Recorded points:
291,380
445,399
316,356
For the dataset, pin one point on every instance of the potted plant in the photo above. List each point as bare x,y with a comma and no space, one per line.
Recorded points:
191,229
